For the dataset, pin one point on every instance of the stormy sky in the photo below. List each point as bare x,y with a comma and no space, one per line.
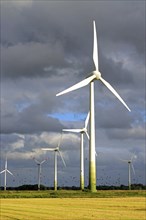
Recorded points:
46,47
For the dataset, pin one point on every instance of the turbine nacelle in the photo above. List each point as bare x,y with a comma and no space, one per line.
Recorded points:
97,74
83,130
56,149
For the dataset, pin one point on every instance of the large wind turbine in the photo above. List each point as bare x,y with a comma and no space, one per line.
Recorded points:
95,75
39,170
81,131
130,166
5,171
56,151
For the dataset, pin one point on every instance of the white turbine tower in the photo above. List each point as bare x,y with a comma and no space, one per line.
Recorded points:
5,172
130,167
95,75
39,170
81,131
56,151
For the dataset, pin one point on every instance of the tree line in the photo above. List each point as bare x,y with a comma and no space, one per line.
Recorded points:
101,187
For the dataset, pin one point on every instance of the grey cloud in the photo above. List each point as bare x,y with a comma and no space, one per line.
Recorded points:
121,134
115,72
29,109
113,117
30,59
29,121
59,25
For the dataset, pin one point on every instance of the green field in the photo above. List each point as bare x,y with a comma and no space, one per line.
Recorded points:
73,205
72,194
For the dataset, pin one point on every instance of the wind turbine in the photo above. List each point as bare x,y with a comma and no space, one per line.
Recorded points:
94,75
5,171
81,131
56,151
130,166
39,170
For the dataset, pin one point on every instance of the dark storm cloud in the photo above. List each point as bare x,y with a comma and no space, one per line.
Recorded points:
30,117
33,42
115,72
31,59
121,134
113,117
29,122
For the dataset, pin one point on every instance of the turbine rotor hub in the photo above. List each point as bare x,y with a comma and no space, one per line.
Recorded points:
83,130
97,74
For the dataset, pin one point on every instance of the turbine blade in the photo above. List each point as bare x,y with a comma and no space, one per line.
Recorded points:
6,163
59,142
73,130
87,135
95,48
36,160
42,162
124,160
96,154
114,92
10,172
78,85
133,168
133,157
87,120
62,158
48,149
2,171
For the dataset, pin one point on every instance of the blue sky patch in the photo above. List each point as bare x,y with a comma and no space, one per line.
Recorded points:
69,116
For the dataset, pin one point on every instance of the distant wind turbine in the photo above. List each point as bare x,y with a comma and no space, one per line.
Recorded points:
39,170
5,172
95,75
81,131
56,151
130,166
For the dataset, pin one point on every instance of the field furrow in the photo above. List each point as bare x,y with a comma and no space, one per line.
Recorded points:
130,208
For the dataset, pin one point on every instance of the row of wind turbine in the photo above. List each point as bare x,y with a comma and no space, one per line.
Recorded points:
94,75
39,163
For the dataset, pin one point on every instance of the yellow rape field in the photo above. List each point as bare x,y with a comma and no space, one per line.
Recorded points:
129,208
